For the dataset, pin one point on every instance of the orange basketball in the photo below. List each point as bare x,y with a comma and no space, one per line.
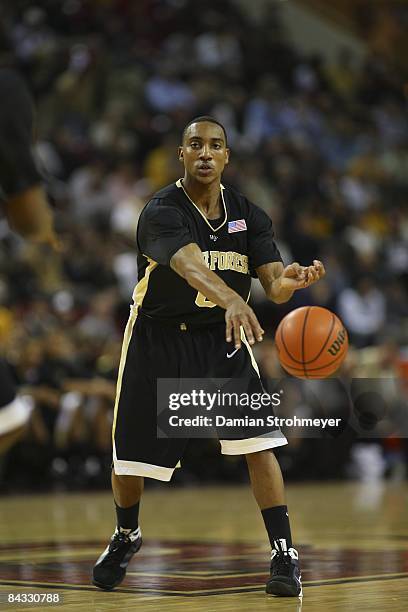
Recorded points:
312,342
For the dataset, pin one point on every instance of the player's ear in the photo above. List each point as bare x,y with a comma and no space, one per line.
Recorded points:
227,156
180,154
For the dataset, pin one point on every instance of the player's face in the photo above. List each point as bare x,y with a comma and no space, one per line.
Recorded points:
204,152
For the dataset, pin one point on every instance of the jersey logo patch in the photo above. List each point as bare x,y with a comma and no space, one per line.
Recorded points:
213,237
236,226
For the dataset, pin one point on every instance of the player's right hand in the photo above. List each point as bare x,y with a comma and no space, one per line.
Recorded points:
237,315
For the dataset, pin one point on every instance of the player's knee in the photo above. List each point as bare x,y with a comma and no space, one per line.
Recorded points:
258,456
128,482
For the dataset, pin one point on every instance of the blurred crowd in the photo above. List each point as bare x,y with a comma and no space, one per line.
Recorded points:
321,146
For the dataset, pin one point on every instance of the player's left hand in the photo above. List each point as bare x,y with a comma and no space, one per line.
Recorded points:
296,276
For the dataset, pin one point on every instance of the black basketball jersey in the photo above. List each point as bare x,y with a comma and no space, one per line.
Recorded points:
233,247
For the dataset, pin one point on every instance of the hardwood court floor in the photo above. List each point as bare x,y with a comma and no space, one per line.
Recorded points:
205,549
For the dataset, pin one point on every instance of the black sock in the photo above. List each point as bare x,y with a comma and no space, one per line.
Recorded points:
277,525
128,518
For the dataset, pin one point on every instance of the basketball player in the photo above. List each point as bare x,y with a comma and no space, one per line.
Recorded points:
26,208
198,244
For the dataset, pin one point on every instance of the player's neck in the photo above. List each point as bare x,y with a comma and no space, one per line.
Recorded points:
205,197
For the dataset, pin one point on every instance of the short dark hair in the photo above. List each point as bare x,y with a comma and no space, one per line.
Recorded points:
201,119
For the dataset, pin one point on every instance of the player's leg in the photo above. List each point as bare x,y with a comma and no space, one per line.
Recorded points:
266,479
265,474
14,410
110,568
137,450
127,493
8,440
267,485
127,490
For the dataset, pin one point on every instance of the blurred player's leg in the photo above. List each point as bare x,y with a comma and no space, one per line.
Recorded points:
14,410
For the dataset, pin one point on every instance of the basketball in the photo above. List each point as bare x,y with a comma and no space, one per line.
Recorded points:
312,342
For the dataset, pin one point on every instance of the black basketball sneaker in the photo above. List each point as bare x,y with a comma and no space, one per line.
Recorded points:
285,578
110,568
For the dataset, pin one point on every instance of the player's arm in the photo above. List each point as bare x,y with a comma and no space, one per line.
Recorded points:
29,214
189,264
280,283
25,202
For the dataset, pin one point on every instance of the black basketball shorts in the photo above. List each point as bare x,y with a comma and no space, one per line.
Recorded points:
152,350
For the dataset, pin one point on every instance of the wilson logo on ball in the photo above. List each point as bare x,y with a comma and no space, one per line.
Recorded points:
338,343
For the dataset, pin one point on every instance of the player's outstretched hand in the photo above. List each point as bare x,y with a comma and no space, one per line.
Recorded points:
240,314
296,276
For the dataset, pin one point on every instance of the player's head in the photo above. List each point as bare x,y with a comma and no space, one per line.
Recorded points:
204,151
